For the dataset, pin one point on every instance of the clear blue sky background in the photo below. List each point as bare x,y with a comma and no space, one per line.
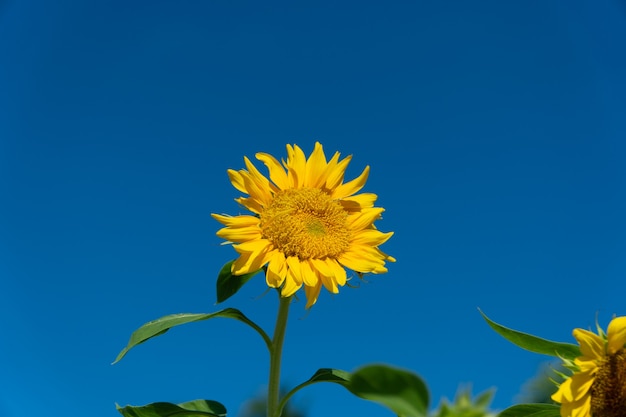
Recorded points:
496,136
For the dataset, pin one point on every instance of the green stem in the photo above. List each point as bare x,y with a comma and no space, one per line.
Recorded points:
276,352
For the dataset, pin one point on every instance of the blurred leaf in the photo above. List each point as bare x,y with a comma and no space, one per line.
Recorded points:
464,406
162,325
228,284
534,343
194,408
532,410
403,392
257,407
484,399
540,387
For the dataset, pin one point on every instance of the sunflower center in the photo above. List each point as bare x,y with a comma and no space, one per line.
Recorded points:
306,223
608,392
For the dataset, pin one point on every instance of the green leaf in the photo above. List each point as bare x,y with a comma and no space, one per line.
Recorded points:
403,392
533,343
532,410
162,325
322,375
330,375
205,405
483,400
189,409
228,284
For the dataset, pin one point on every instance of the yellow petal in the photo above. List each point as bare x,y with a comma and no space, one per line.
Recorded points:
370,237
563,394
251,204
591,345
579,408
388,258
574,388
365,218
291,284
276,170
309,277
325,274
276,269
330,284
367,253
582,407
296,166
256,190
259,179
237,221
326,172
320,266
240,234
337,271
295,269
312,293
581,382
254,172
359,201
253,255
237,180
357,263
566,410
243,262
616,334
349,188
589,365
252,246
315,168
336,171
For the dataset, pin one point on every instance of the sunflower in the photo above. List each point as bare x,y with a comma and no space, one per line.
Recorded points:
597,387
306,225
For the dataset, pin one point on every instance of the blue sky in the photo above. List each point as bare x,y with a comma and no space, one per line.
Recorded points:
495,133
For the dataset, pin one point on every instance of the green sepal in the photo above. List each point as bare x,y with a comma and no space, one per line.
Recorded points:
228,284
401,391
205,408
532,410
162,325
533,343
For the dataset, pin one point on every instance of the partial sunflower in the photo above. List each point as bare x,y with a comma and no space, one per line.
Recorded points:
306,225
597,387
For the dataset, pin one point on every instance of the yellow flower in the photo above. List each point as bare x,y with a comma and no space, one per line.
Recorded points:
307,224
598,386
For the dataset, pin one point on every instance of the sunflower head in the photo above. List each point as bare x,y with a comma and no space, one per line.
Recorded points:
597,387
306,225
